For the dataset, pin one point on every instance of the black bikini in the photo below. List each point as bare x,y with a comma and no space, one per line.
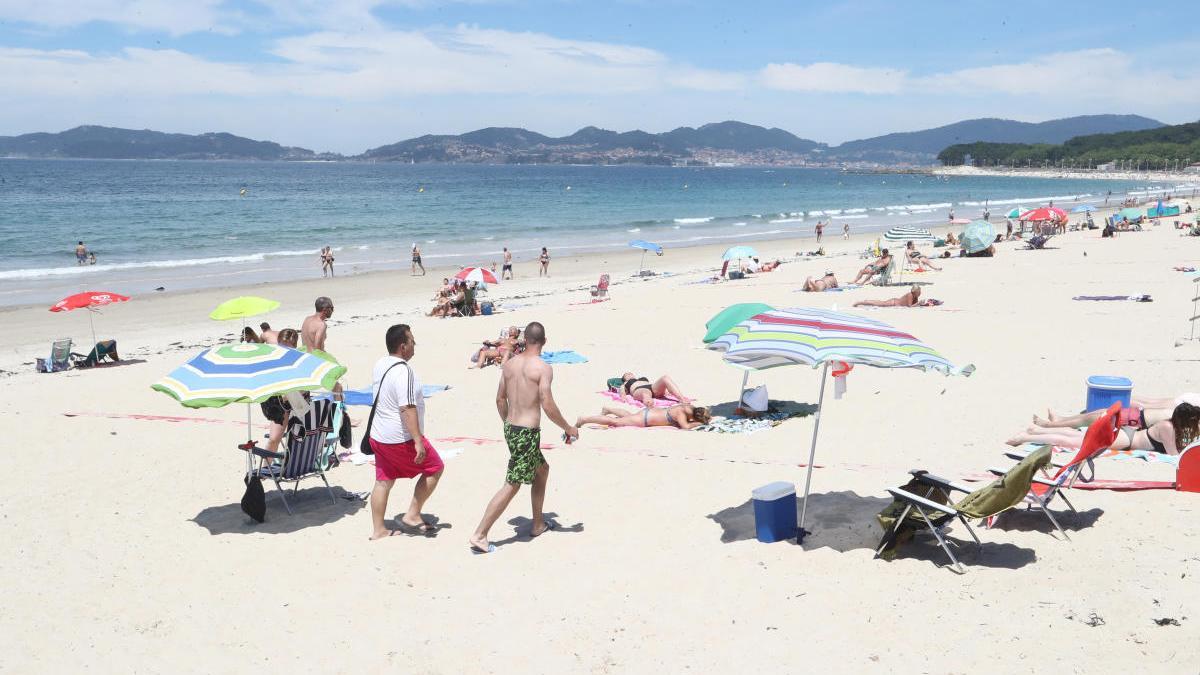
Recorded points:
629,388
1155,446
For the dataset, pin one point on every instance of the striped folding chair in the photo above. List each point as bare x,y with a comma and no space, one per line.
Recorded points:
304,453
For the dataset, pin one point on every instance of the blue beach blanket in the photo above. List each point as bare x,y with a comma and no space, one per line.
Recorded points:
563,356
365,396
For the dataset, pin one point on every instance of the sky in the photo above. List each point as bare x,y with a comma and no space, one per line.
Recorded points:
349,75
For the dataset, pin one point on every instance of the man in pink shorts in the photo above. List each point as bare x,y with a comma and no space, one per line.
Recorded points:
397,436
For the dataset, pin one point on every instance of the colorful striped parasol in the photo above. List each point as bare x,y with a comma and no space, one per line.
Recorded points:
815,337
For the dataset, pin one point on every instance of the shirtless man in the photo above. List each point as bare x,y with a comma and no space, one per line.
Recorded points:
523,394
506,271
267,335
874,268
312,331
81,253
909,299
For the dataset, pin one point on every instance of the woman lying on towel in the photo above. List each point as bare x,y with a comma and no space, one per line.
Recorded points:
640,389
910,299
824,283
682,416
1168,436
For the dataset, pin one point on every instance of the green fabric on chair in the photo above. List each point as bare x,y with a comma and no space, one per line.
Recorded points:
1006,491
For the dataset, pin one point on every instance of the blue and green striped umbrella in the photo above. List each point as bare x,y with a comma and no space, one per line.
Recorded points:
247,373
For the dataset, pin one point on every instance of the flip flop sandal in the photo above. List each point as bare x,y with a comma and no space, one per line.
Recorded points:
422,530
478,551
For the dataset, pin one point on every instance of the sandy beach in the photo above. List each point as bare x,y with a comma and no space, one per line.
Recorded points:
127,549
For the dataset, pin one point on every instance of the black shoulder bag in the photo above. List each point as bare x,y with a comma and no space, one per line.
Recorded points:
364,446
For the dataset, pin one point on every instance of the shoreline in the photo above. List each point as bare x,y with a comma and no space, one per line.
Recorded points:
1075,174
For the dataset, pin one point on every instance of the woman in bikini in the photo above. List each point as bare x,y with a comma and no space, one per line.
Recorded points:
640,389
824,283
681,416
917,258
1169,436
909,299
544,260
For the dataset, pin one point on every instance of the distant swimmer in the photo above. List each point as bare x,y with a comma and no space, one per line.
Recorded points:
420,189
242,192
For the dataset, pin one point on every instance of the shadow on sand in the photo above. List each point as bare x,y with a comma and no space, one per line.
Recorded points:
310,508
524,529
794,408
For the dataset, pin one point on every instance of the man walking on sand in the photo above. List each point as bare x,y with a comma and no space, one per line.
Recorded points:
312,331
506,271
525,391
397,436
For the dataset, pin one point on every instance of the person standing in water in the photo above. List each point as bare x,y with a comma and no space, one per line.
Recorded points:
416,260
820,228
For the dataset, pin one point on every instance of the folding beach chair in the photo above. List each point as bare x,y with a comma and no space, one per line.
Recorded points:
600,290
304,453
1098,438
329,458
885,277
59,359
924,503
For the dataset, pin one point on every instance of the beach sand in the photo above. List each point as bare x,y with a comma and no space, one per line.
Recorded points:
126,549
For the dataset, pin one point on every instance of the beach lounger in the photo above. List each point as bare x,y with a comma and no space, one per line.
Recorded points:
600,290
304,453
924,503
104,349
1098,438
59,359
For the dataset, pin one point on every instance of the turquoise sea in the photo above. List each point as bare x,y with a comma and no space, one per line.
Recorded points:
199,224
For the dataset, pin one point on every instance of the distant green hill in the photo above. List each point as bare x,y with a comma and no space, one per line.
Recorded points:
1180,142
95,142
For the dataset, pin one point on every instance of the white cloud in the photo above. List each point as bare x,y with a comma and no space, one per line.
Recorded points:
168,16
833,77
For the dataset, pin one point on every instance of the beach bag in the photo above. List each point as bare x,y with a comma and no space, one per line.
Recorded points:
364,446
756,400
254,501
345,437
614,384
737,274
485,308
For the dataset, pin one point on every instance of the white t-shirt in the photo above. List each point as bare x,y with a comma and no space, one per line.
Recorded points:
401,389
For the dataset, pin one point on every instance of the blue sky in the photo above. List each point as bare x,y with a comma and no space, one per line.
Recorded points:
346,76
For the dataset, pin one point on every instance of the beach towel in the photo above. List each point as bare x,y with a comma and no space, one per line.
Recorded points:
1144,455
1126,485
746,425
366,396
563,356
1131,298
658,402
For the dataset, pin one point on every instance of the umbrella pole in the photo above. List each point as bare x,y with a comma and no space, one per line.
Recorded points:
812,453
642,262
92,323
742,391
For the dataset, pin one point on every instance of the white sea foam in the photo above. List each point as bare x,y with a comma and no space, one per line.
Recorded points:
42,272
786,220
852,216
634,229
739,224
693,221
914,207
854,211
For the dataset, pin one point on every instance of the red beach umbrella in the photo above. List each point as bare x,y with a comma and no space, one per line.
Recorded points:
476,274
88,300
1045,213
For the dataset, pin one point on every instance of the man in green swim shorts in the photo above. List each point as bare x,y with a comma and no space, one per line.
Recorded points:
524,392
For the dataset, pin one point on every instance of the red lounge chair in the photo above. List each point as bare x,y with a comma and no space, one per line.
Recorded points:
600,290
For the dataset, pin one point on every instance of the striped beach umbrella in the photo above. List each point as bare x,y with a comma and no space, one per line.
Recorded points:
908,233
246,373
814,337
477,274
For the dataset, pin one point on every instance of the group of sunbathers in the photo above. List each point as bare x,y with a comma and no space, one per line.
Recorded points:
635,389
1155,424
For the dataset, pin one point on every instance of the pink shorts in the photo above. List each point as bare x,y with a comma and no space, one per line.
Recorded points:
399,460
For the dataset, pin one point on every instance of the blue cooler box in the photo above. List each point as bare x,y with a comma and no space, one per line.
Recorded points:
1104,390
775,512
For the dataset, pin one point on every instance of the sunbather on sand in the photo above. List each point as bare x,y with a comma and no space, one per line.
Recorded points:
826,282
1143,413
634,388
1162,402
909,299
918,258
497,351
1167,436
682,416
874,268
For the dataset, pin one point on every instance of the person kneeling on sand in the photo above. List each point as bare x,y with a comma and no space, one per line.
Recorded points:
874,268
909,299
824,283
1168,436
681,416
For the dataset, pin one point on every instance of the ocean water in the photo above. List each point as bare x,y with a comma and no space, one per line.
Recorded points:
202,224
